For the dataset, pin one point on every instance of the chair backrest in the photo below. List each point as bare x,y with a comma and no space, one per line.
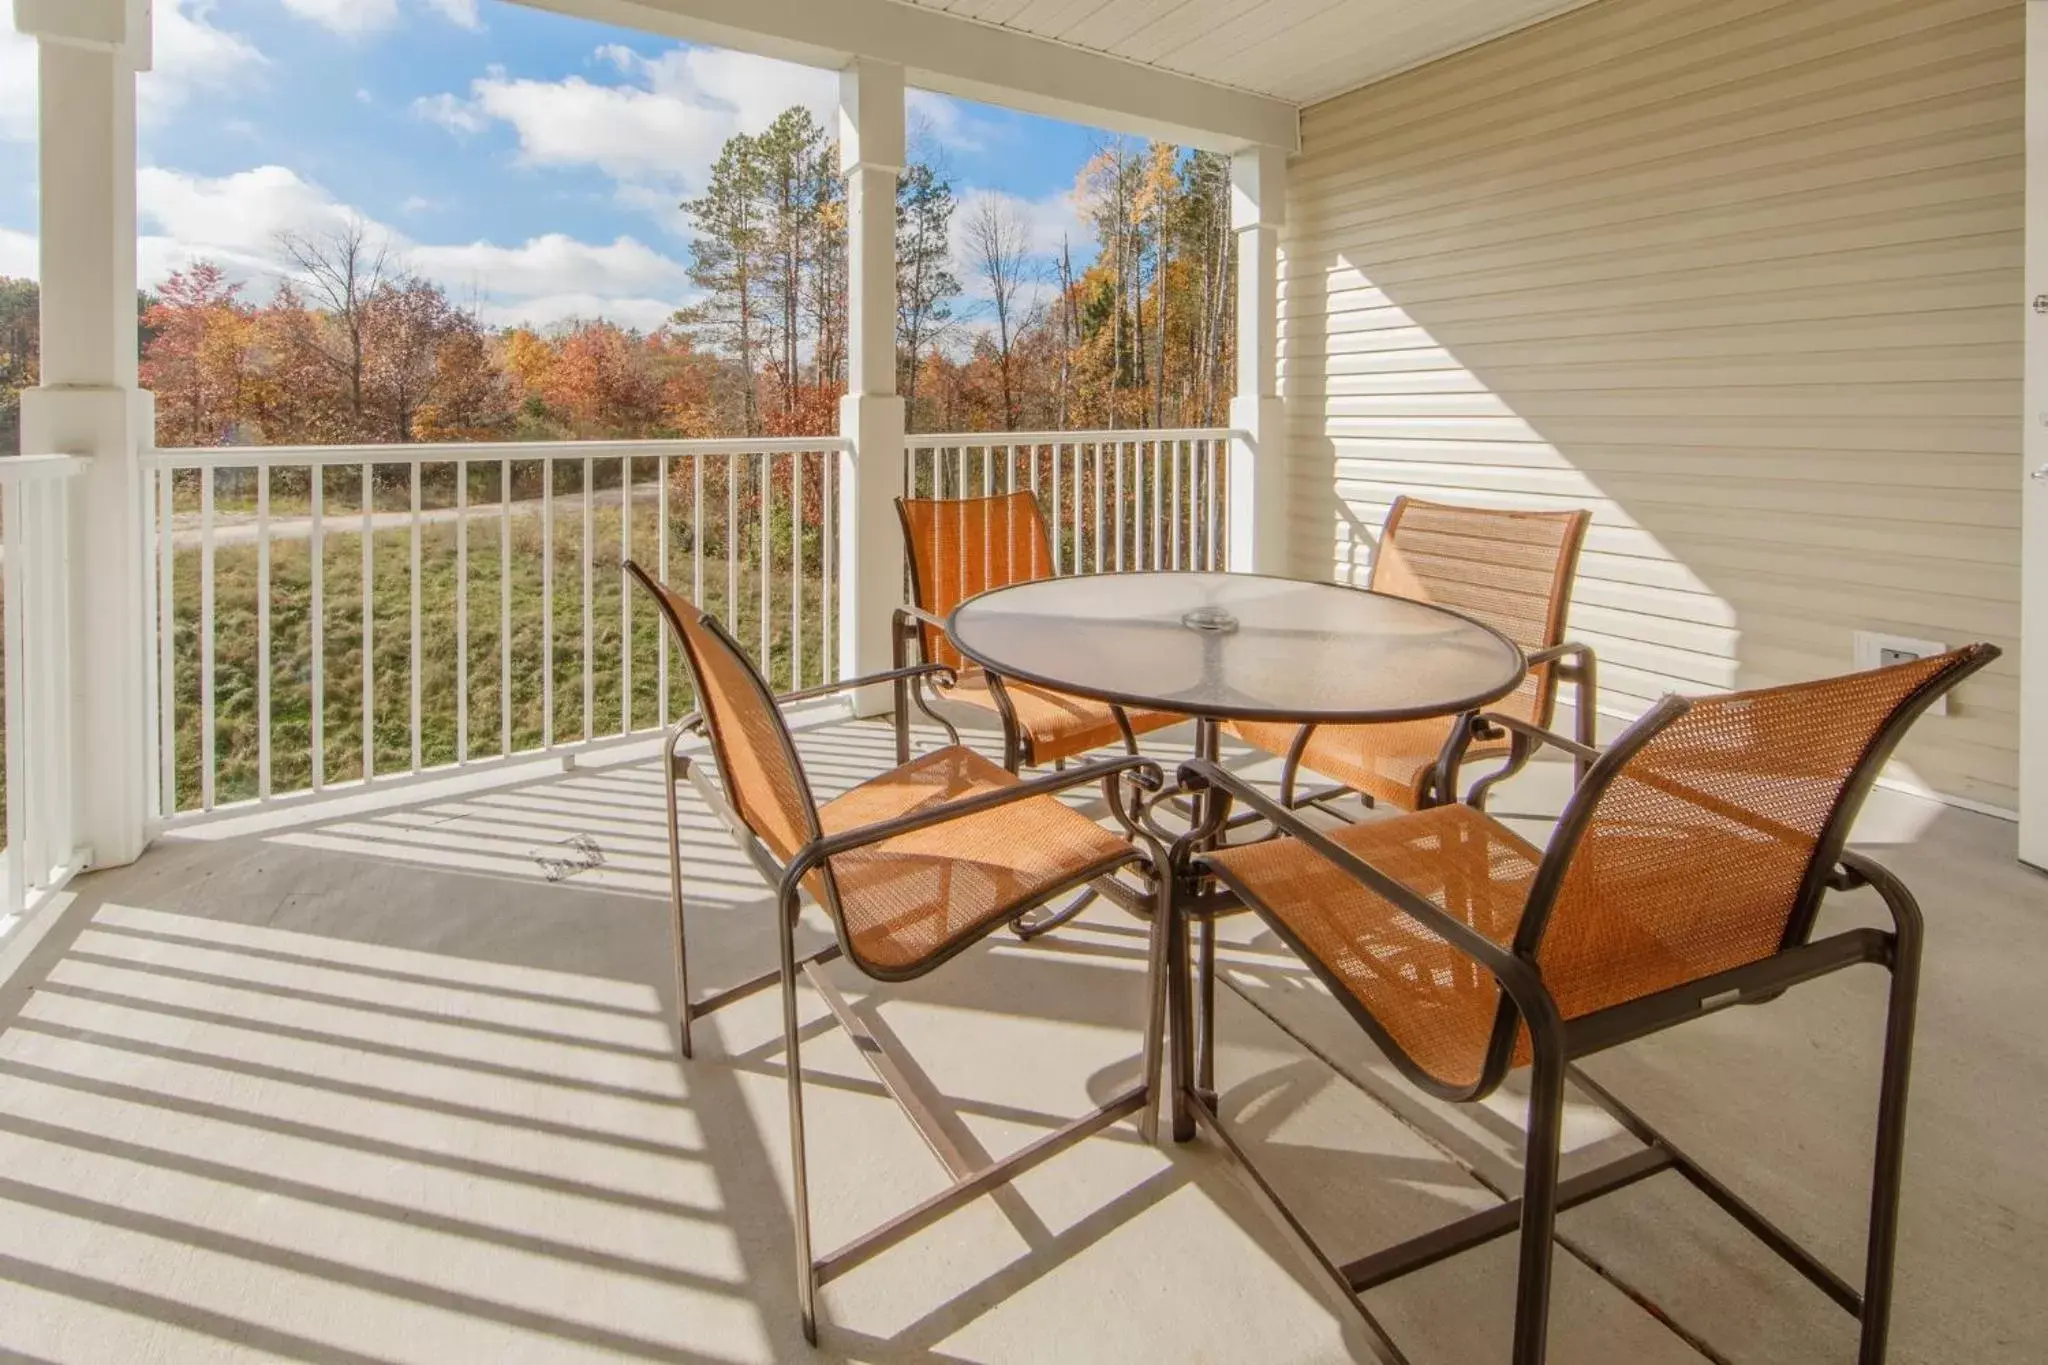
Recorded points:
963,546
1703,839
757,760
1511,569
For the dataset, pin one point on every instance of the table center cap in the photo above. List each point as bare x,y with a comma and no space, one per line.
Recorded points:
1210,621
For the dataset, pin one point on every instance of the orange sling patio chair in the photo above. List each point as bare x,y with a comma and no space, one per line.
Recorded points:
959,547
1510,569
911,867
1685,876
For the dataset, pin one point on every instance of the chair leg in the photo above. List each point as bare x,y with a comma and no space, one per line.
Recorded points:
1539,1205
1205,1070
1889,1167
1158,964
800,1196
675,893
1181,1040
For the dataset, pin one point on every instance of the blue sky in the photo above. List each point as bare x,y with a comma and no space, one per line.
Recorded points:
526,160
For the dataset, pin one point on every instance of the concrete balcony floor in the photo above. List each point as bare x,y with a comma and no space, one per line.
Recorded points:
362,1083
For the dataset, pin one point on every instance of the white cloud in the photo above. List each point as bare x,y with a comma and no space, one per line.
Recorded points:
944,121
553,264
1046,223
232,219
17,253
655,131
346,16
191,54
542,313
451,113
357,17
236,220
459,12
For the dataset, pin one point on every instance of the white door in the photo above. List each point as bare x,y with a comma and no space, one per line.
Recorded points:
2034,510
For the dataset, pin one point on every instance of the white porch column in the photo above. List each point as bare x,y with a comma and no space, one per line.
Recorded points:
871,144
88,402
1258,459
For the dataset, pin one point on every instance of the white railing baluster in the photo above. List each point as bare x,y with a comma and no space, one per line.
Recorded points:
368,536
1174,505
661,519
547,604
767,569
316,624
262,632
208,754
167,632
505,608
145,491
828,613
625,597
796,571
13,575
461,611
1078,506
413,599
697,531
589,601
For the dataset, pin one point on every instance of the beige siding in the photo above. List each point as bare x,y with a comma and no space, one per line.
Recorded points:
1744,277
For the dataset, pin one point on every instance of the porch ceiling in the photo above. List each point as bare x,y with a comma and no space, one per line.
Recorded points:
1296,50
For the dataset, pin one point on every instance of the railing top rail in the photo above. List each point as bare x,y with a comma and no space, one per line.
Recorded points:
29,468
446,452
925,440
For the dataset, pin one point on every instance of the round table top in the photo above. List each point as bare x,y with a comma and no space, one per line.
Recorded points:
1238,646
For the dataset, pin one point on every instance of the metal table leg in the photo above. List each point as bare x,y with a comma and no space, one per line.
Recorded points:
1208,745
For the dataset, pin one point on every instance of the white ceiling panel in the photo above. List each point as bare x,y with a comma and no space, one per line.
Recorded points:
1296,50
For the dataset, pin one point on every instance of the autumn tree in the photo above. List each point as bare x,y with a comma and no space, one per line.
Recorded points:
341,270
999,242
198,360
405,325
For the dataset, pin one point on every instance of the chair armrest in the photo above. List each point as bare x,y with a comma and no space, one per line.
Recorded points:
1537,735
817,851
1568,650
848,684
1518,977
907,615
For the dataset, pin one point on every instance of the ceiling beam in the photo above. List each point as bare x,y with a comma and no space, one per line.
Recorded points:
976,61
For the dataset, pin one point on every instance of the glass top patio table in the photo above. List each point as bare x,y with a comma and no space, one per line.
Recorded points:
1238,646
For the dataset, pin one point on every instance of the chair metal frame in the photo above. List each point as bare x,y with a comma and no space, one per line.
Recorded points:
913,619
1557,1044
1571,662
908,628
891,1067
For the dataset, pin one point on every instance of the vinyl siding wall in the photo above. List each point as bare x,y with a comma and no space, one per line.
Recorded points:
1744,277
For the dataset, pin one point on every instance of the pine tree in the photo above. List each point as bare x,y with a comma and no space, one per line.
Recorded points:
925,283
726,262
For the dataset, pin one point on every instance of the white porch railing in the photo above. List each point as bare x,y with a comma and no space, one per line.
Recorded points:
35,597
498,625
1113,500
498,622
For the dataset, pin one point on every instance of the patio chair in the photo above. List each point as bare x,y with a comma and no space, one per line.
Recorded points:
963,546
1684,876
1511,569
911,867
